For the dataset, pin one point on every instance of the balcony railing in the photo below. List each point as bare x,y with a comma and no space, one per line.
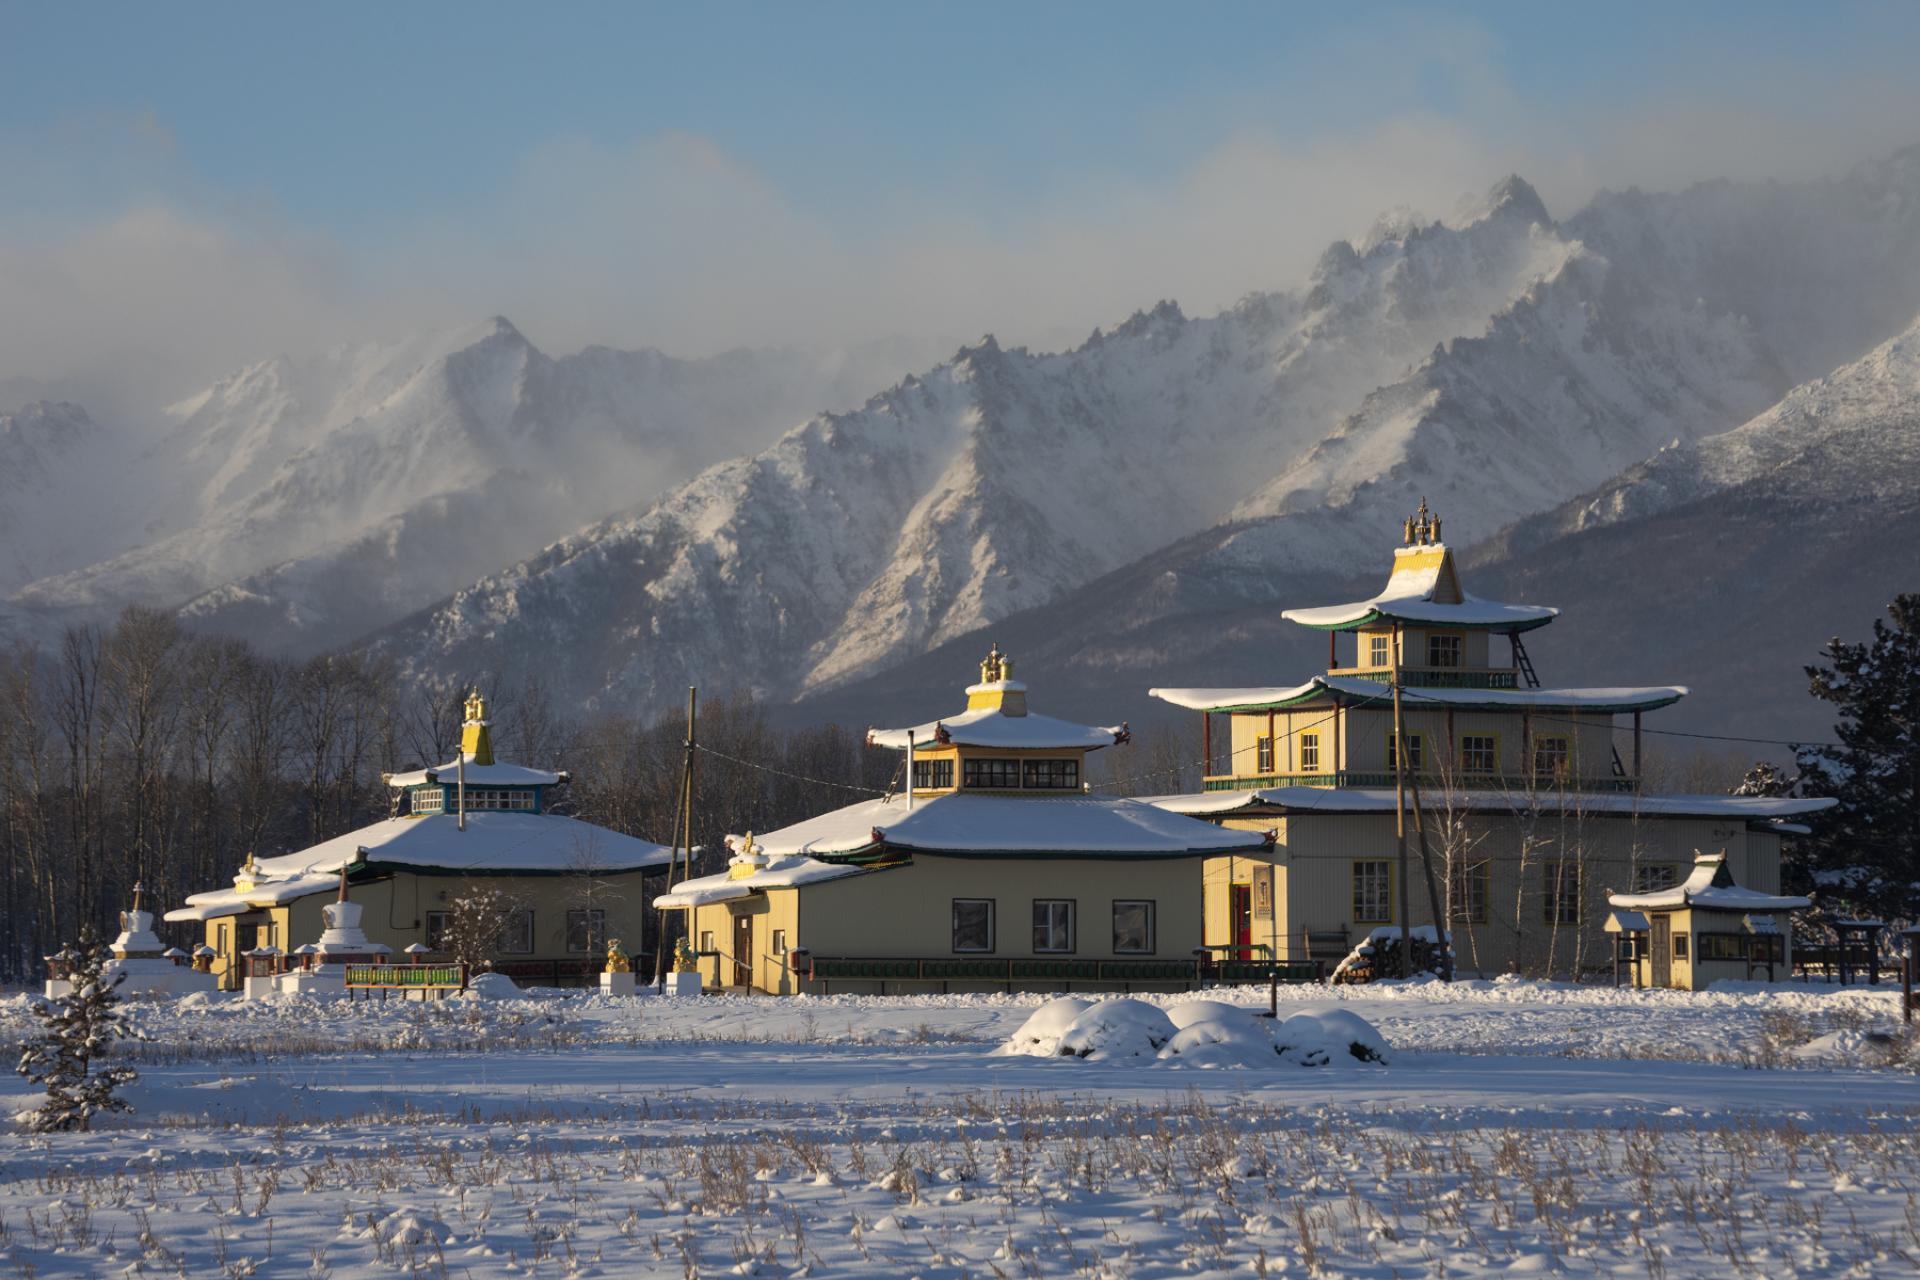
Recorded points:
1546,784
1434,677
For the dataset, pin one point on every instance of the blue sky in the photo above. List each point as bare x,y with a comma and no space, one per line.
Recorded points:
695,177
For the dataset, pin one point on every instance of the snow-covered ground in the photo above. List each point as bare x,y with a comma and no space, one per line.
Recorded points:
1516,1127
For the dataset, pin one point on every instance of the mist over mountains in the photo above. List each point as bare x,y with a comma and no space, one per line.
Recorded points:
1680,416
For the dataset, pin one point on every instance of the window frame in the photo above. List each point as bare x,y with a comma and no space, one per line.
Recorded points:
1493,771
939,774
594,929
777,943
1554,875
1065,768
953,937
1353,897
1380,651
1416,751
418,794
1072,926
1643,884
1680,948
1473,874
1310,744
524,917
1742,946
972,767
1263,754
706,940
433,929
1438,641
1152,926
1564,767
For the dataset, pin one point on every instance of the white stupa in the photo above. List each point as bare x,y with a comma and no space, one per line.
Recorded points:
341,943
148,966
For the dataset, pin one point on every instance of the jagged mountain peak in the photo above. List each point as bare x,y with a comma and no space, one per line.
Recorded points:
1513,196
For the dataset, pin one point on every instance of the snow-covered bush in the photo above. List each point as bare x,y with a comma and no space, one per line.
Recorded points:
77,1030
1219,1035
494,986
1330,1039
1040,1034
1117,1029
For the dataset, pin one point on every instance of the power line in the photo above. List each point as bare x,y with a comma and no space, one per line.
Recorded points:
1669,733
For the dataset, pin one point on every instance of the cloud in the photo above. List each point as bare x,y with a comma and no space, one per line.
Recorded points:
671,241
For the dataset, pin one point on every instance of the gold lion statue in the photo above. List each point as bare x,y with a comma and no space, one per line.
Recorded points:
618,961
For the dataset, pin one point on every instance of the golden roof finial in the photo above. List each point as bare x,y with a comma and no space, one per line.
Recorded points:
1423,528
476,707
994,669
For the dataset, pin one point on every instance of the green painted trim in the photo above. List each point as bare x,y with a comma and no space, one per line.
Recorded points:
1381,779
1325,695
374,869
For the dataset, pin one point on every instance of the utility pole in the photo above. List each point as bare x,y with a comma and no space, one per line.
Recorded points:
1441,928
686,793
1400,813
677,870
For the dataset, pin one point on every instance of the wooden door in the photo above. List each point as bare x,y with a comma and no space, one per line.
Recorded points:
743,951
1662,951
1240,920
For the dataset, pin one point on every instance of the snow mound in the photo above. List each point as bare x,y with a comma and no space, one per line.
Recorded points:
1239,1041
1329,1039
1117,1029
494,986
1194,1033
1040,1034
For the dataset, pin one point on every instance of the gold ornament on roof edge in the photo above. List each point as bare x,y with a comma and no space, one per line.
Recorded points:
1422,529
996,666
476,707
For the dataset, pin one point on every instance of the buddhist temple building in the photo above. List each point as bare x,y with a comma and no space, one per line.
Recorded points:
1704,929
469,825
1525,800
992,868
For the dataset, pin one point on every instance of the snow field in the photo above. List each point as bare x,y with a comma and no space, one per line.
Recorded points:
1514,1128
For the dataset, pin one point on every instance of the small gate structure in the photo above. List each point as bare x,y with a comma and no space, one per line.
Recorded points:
432,981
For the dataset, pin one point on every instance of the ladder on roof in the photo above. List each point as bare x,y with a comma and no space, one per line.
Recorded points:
1619,769
1523,662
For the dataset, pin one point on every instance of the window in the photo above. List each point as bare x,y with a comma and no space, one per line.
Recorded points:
1263,755
480,799
990,772
1654,877
1550,757
1133,928
936,774
517,938
973,924
706,940
1413,751
586,929
1051,775
220,939
1469,892
1479,753
1053,924
438,923
779,942
1380,651
1679,946
1561,893
1443,651
426,800
1309,753
1372,891
1723,946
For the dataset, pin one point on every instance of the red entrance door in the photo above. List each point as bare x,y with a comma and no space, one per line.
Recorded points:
1240,918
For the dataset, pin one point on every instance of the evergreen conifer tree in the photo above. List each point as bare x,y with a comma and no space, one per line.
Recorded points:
77,1031
1868,847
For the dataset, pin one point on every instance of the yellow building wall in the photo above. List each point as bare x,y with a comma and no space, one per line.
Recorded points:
907,911
395,907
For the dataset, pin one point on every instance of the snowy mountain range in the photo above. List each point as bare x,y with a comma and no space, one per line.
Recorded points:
1129,512
305,502
1173,467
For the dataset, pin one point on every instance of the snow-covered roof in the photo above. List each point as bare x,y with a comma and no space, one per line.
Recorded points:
1068,825
1409,596
1767,809
478,775
1355,690
493,842
993,727
778,873
1711,887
